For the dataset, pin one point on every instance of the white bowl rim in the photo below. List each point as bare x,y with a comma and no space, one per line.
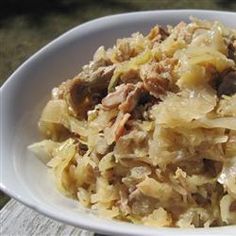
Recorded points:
115,227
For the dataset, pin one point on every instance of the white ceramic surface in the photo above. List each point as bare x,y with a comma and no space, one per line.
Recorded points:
23,97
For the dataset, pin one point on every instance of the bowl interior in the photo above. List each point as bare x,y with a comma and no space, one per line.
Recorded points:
26,92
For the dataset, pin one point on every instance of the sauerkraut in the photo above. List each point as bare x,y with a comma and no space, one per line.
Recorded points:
146,132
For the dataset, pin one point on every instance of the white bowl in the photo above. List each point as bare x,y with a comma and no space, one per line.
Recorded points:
22,98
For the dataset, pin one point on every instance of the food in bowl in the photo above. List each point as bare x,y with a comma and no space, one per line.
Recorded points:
146,132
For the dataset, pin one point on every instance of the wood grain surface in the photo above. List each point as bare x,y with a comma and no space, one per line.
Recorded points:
18,220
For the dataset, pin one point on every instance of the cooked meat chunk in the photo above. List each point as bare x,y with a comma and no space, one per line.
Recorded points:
154,82
117,129
132,99
228,84
232,50
156,86
125,97
120,129
82,94
115,98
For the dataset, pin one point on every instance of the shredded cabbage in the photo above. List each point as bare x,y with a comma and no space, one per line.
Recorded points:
146,132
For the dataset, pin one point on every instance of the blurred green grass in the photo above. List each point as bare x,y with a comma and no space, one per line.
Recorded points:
26,25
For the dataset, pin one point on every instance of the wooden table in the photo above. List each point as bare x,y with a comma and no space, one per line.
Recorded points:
19,220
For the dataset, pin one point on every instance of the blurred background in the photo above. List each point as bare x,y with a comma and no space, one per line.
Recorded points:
27,25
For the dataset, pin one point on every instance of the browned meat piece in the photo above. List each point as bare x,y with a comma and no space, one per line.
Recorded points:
233,206
132,99
154,82
113,99
228,83
79,101
120,129
117,129
125,97
128,95
156,86
82,94
106,72
232,51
